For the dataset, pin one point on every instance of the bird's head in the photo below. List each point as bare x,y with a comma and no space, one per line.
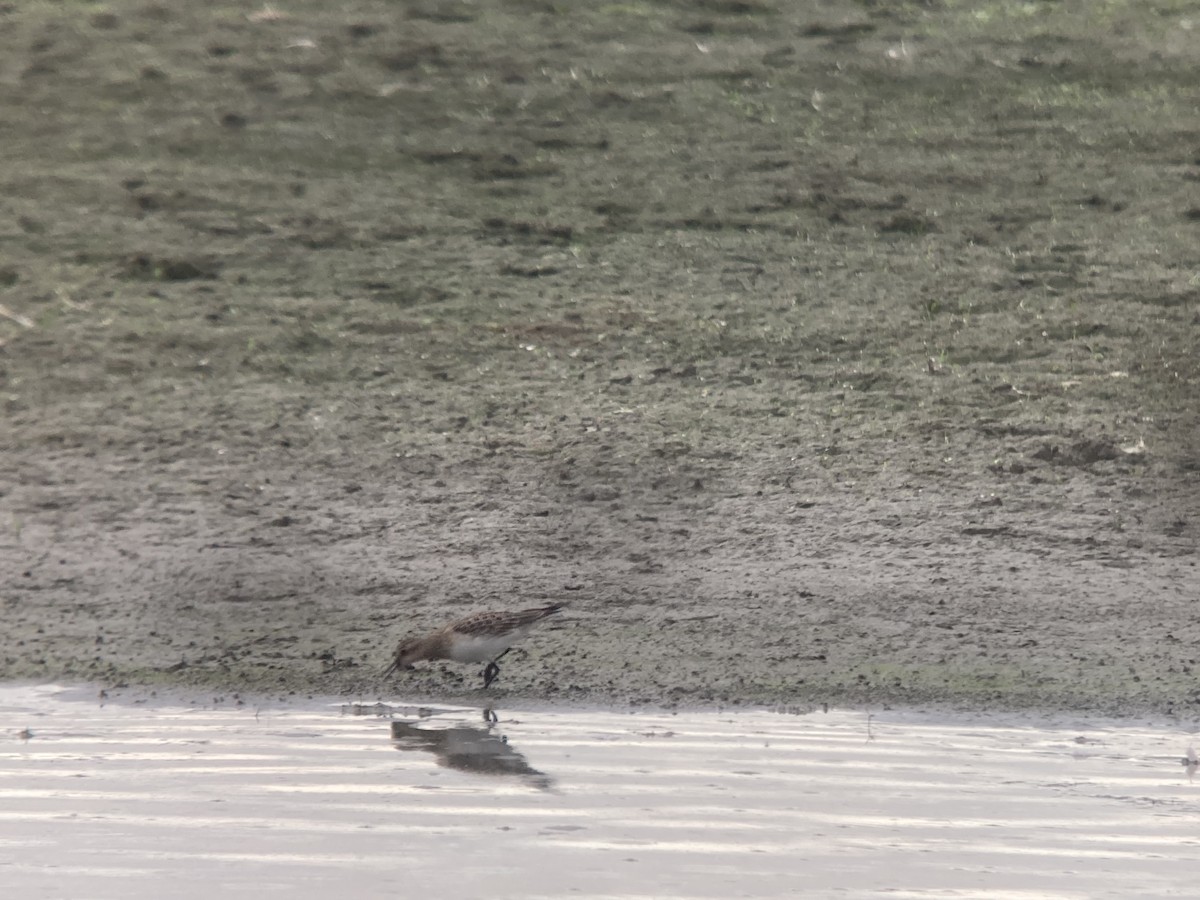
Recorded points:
407,653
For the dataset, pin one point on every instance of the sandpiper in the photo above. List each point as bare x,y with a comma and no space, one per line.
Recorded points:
482,637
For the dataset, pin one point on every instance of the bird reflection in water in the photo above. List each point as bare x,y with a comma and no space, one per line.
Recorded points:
468,748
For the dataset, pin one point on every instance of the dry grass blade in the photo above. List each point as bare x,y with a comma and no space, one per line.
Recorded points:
23,321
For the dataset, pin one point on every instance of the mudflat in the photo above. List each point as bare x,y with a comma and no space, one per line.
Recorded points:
811,352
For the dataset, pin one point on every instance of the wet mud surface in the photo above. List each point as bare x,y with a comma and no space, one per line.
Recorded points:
831,352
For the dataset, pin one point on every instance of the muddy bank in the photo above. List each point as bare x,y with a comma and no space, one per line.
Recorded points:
838,353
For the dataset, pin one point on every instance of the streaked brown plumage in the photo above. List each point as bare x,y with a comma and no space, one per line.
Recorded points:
482,637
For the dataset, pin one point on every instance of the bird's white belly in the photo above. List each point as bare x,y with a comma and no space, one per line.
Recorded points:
482,648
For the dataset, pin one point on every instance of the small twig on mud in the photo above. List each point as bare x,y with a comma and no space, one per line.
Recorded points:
267,14
670,621
16,317
65,299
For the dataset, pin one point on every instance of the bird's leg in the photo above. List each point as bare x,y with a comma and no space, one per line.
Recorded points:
492,672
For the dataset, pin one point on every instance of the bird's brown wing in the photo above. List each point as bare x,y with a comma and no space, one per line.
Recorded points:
502,622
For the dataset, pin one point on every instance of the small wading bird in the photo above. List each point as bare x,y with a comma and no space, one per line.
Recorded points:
482,637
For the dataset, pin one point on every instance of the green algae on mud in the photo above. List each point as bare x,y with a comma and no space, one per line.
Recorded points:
809,351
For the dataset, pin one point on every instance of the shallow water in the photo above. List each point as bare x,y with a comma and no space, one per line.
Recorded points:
137,800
